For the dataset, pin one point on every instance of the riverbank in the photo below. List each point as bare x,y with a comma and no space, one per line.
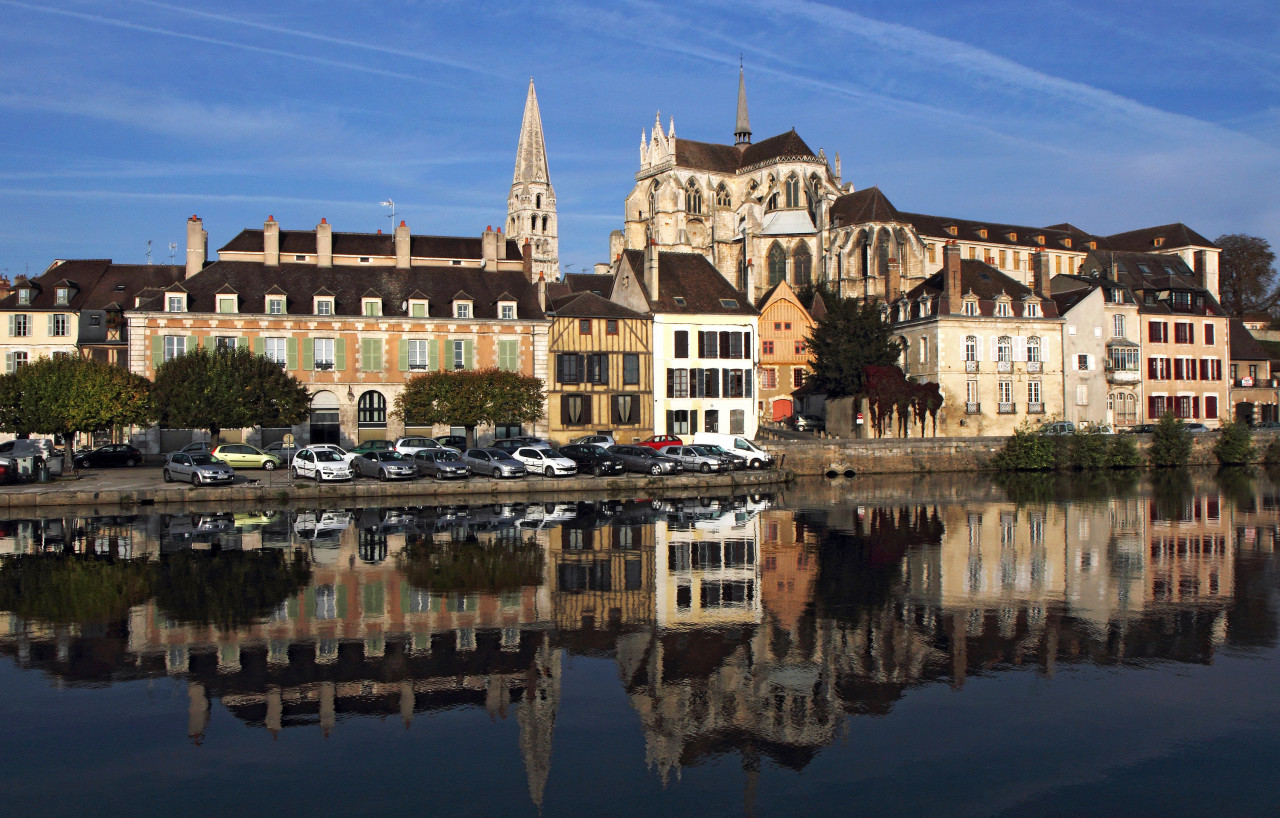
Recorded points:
131,488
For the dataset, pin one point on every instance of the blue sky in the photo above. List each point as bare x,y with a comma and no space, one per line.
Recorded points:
121,119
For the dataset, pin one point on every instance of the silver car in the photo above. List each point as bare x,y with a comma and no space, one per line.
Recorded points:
200,469
602,441
442,464
493,462
385,464
693,460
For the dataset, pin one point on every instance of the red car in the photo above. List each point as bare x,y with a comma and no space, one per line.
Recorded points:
658,441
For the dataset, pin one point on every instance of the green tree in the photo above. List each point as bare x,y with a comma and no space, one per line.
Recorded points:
471,567
229,589
72,588
227,389
850,337
1235,444
1246,274
69,394
1170,443
470,398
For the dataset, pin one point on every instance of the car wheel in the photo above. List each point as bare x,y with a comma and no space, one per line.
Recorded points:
168,478
269,465
317,477
705,468
547,471
597,470
655,469
133,461
497,473
382,475
757,464
293,473
195,479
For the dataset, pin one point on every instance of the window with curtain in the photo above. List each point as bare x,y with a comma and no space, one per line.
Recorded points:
575,410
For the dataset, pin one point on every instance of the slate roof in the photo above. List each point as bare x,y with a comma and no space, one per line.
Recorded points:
601,285
729,159
1144,240
1152,272
987,283
1244,347
348,284
95,282
1024,237
302,242
691,277
590,305
867,205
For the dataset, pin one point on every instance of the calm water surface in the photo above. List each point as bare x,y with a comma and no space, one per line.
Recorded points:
940,645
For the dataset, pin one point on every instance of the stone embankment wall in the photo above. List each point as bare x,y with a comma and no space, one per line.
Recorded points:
949,454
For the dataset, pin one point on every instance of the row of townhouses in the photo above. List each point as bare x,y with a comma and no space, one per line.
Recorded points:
697,323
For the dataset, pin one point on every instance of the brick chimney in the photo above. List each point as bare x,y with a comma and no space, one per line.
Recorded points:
502,246
402,246
951,275
324,244
489,240
197,246
893,281
271,242
542,292
1040,273
527,255
651,269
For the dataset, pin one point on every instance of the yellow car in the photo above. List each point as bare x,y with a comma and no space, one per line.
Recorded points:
244,456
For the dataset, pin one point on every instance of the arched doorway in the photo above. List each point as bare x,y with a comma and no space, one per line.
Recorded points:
783,408
371,416
325,424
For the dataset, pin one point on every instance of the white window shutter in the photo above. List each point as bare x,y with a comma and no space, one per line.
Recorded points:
995,348
977,356
1019,348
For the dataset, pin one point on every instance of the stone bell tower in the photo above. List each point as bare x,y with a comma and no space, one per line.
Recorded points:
531,207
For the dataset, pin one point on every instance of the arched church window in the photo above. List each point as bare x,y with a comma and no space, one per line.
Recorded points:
722,196
653,198
544,223
693,197
537,201
772,203
777,264
793,191
802,265
533,224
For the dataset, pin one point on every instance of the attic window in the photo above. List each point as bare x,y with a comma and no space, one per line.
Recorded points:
982,232
119,288
1040,240
952,230
679,299
24,296
299,257
456,261
1144,268
729,303
364,259
63,295
1158,241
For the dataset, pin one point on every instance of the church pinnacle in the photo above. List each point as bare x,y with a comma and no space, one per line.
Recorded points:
531,207
742,131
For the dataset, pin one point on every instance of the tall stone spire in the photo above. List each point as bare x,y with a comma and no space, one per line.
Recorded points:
742,132
531,207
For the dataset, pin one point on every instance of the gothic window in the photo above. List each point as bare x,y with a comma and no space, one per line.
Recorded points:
693,197
777,264
537,201
793,191
802,265
653,198
722,196
772,203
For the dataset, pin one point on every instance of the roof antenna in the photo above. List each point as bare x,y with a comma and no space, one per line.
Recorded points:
173,252
148,252
391,204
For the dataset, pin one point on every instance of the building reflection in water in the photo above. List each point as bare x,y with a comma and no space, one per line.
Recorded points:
740,625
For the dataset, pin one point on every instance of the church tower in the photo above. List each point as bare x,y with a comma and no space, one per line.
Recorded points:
531,207
742,130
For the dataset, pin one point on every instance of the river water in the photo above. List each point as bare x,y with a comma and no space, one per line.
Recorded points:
886,646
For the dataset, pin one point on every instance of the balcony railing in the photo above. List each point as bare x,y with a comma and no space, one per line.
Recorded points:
1004,366
970,366
1006,408
1123,375
323,365
1255,383
1035,366
1035,408
973,408
418,367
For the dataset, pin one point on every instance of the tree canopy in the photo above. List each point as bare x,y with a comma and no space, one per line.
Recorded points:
227,389
850,337
470,397
1246,274
67,394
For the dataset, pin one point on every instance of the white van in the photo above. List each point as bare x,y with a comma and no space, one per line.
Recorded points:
757,458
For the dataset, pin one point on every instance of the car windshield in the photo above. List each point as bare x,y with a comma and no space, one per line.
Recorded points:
390,456
501,455
446,457
326,456
205,460
703,450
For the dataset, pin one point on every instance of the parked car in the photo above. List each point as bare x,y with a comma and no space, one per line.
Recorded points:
1196,428
41,444
645,460
510,444
409,446
1141,429
756,457
1058,427
807,423
736,462
113,454
203,447
199,469
384,464
442,464
592,458
604,440
693,460
493,462
282,450
547,462
370,446
656,442
1263,425
244,456
456,442
320,463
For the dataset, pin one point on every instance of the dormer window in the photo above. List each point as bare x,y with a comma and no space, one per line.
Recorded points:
982,232
24,295
417,308
462,309
1066,242
63,295
324,305
507,310
1040,240
1011,236
971,306
1158,241
371,306
1003,308
1033,309
175,302
952,230
227,304
275,305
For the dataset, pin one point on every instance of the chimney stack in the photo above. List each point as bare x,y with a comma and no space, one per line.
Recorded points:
542,292
197,246
893,281
402,246
271,242
324,244
527,255
651,269
951,274
1040,267
502,245
489,248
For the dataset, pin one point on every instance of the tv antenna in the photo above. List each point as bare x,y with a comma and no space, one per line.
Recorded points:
148,252
173,252
391,204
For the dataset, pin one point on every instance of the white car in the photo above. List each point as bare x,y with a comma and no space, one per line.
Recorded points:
547,462
321,463
409,446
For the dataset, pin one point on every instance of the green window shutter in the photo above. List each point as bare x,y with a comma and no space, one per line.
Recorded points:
309,601
259,346
433,355
404,354
242,342
340,354
468,354
371,354
291,608
291,352
308,353
404,596
508,355
342,602
157,350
